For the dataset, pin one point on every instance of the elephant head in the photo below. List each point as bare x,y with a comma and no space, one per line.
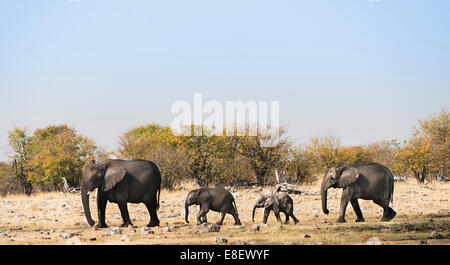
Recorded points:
268,201
191,199
99,176
337,177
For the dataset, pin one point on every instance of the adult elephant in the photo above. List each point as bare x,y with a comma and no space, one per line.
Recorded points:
369,182
121,182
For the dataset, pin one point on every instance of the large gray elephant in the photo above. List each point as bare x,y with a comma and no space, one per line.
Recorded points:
216,199
122,181
369,182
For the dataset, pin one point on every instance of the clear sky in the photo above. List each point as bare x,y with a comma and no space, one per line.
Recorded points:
358,69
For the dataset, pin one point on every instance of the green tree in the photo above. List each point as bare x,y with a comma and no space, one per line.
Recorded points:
263,160
18,140
7,180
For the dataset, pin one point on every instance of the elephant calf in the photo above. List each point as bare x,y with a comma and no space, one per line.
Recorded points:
276,202
216,199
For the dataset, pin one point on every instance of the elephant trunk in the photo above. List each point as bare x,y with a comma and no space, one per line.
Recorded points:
187,212
324,193
85,200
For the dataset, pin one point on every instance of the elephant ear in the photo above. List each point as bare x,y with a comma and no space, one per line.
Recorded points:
348,176
270,201
113,175
204,196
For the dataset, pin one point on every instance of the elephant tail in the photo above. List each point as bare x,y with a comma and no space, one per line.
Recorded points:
235,207
392,193
159,195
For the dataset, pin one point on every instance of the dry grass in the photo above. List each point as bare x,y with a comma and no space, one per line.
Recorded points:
56,218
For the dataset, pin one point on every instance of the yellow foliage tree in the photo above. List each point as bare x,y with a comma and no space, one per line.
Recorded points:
56,152
427,153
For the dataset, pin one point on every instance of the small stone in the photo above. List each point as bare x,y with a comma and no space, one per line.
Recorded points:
124,238
73,241
146,231
435,235
168,229
240,243
66,236
373,241
220,240
116,231
208,228
304,236
255,228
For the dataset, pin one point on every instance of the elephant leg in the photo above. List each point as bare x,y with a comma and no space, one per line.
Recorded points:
277,215
154,221
388,212
125,215
232,211
287,218
358,212
101,208
204,209
222,217
205,219
237,221
344,202
266,215
291,213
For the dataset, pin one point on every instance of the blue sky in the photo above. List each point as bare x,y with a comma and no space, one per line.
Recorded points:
361,70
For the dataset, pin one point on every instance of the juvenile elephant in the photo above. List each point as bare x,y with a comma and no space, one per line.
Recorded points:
369,182
121,181
216,199
276,202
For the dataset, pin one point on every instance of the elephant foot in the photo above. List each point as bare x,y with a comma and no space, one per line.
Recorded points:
296,222
360,220
341,220
219,223
130,225
153,224
101,226
391,214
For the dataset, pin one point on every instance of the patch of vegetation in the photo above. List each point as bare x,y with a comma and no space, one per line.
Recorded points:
429,226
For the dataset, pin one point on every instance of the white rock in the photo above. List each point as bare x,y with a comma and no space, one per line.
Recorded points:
73,241
373,241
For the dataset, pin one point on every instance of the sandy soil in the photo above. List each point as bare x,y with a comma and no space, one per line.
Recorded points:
423,217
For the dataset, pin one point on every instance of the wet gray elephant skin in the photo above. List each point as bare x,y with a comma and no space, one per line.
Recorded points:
215,199
122,182
276,202
369,182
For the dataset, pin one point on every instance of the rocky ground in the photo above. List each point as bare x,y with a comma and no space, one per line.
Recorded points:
423,217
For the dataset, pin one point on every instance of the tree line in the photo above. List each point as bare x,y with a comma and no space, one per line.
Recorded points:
41,159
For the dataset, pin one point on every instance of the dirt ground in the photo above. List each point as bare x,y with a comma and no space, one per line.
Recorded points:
423,217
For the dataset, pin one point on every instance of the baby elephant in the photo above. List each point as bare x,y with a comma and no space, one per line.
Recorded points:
216,199
276,202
